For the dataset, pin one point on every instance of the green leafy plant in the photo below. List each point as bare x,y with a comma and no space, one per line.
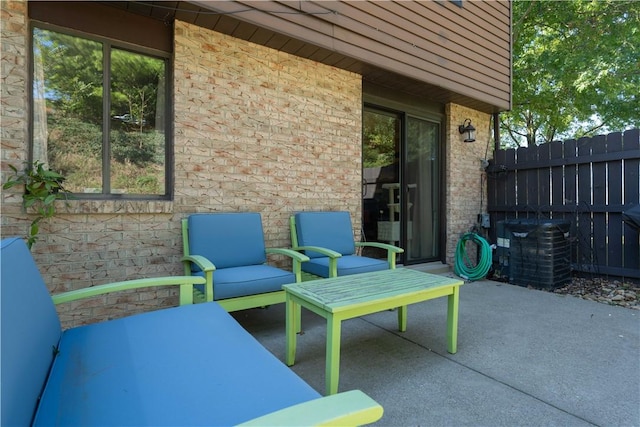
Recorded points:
42,187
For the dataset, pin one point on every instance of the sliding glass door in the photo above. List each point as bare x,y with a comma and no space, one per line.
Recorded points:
401,184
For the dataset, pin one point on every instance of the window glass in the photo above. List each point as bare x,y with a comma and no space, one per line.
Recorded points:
122,152
137,123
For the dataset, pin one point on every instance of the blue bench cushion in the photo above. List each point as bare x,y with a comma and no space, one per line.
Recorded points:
249,280
350,264
190,365
331,230
228,239
30,332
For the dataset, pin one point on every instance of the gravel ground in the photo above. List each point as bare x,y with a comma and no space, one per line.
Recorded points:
604,290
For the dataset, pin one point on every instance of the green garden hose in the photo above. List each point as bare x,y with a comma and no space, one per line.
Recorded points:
463,265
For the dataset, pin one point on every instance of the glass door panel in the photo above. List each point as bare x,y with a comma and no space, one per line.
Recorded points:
381,178
422,184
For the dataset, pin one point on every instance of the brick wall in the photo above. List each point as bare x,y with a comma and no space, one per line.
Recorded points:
13,113
254,130
466,190
262,130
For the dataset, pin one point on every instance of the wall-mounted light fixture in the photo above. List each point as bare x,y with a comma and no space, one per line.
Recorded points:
468,128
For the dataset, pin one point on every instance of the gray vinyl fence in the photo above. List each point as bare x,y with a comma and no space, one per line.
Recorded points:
589,182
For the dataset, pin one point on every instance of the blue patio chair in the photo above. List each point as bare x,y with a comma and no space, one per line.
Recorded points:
327,239
228,250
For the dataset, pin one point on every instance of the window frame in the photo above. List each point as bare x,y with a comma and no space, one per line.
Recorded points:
107,45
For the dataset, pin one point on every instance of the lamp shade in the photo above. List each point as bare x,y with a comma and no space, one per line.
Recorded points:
468,128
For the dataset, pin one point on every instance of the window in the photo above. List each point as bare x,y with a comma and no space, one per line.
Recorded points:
100,115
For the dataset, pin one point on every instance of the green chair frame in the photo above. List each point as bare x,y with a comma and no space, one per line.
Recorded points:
185,283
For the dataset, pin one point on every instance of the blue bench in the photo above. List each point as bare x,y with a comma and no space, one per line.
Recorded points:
187,365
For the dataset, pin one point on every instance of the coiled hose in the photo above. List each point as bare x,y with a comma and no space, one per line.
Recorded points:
463,265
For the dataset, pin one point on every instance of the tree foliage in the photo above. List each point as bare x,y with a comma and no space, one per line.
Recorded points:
576,69
73,70
379,133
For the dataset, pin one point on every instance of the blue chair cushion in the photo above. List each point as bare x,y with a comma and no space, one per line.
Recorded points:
159,369
249,280
228,239
30,332
349,264
331,230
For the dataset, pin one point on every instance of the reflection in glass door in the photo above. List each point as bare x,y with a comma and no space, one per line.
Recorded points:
422,177
401,184
381,178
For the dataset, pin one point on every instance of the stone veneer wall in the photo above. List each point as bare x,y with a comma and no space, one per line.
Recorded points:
466,183
262,130
255,130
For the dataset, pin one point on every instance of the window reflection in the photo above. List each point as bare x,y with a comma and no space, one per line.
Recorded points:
122,155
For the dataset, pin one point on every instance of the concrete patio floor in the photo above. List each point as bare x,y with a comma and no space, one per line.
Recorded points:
525,358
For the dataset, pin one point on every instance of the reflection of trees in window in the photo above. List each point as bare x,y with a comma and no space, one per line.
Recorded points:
122,152
72,74
380,135
134,89
423,137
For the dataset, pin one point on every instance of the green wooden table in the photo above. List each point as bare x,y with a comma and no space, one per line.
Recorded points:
346,297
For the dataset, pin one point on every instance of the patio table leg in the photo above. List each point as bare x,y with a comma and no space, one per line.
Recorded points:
402,318
452,320
292,324
333,354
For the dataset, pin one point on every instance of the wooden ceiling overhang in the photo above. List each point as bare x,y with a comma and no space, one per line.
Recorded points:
274,28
